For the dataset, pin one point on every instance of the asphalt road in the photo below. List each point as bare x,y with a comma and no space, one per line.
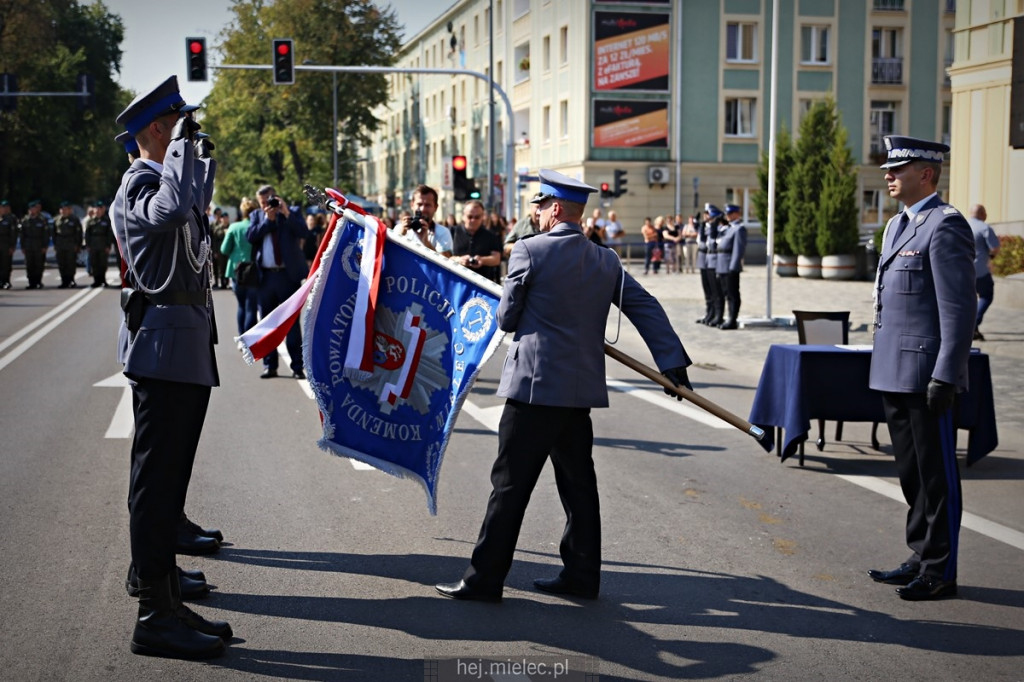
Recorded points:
720,562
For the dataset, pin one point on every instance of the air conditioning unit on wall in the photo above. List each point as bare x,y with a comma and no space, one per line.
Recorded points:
657,175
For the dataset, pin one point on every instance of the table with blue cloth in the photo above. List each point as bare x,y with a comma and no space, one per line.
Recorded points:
803,382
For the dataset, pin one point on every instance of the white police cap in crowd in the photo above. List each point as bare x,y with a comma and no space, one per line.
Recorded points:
902,150
555,185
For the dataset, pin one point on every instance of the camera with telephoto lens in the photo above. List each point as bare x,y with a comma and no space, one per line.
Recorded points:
274,202
417,223
473,260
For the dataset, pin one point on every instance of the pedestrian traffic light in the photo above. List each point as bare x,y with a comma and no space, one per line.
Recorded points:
8,84
284,62
86,87
620,182
474,192
195,52
606,192
460,184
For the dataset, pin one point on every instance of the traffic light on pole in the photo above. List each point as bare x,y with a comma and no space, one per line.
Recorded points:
284,61
196,54
86,86
620,183
606,192
460,184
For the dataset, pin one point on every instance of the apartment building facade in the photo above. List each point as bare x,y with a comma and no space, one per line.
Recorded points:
676,93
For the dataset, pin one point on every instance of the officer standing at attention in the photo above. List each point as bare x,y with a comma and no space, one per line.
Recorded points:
8,238
34,237
557,294
67,242
708,273
732,243
166,345
99,237
924,319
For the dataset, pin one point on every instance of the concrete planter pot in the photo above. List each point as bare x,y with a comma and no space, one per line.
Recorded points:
785,266
808,267
842,266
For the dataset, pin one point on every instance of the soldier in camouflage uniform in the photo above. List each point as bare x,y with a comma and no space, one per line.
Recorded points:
8,238
34,238
67,242
99,237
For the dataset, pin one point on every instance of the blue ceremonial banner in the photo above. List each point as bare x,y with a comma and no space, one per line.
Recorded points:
433,328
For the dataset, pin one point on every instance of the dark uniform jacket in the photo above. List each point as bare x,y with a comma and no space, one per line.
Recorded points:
67,233
98,233
33,233
925,302
732,242
158,221
557,294
8,231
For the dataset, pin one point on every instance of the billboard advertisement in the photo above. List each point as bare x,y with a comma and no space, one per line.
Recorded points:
631,51
630,123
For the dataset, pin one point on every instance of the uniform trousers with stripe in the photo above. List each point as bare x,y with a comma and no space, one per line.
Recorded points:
169,418
527,434
925,448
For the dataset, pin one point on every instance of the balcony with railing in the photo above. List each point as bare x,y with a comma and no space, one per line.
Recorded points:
887,70
888,5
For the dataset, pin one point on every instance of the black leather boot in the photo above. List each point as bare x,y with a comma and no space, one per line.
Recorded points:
194,528
217,628
159,631
188,586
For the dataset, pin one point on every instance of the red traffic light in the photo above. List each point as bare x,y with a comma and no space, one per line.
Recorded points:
604,186
195,46
283,47
459,163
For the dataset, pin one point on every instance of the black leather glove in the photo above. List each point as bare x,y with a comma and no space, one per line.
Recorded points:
677,375
185,128
204,145
940,395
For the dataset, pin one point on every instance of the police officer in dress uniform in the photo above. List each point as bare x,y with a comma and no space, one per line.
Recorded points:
924,320
34,237
67,242
708,273
732,243
99,237
556,299
166,345
8,238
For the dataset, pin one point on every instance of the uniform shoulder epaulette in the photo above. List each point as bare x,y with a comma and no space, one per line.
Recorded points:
949,210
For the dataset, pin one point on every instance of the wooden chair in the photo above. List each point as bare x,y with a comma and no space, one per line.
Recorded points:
818,328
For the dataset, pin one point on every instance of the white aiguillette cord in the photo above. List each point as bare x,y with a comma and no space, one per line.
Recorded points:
618,318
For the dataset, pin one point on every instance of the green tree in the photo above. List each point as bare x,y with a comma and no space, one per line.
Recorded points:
838,214
812,150
52,148
282,134
783,166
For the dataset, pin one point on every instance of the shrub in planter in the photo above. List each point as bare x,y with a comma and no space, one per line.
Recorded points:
1010,259
838,214
803,193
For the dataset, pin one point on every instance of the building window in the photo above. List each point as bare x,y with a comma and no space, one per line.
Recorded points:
871,207
563,118
740,113
814,44
519,8
740,41
888,5
522,62
563,45
476,29
547,123
498,14
887,56
883,122
945,123
546,53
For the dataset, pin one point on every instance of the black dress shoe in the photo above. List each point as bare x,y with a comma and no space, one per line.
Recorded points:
927,587
298,374
461,590
190,543
729,324
268,373
194,527
188,587
561,586
194,574
903,575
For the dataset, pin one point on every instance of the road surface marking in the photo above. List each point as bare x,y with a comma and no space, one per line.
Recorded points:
60,314
123,422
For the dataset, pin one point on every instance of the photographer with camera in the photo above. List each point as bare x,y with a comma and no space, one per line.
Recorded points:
475,247
276,233
420,225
